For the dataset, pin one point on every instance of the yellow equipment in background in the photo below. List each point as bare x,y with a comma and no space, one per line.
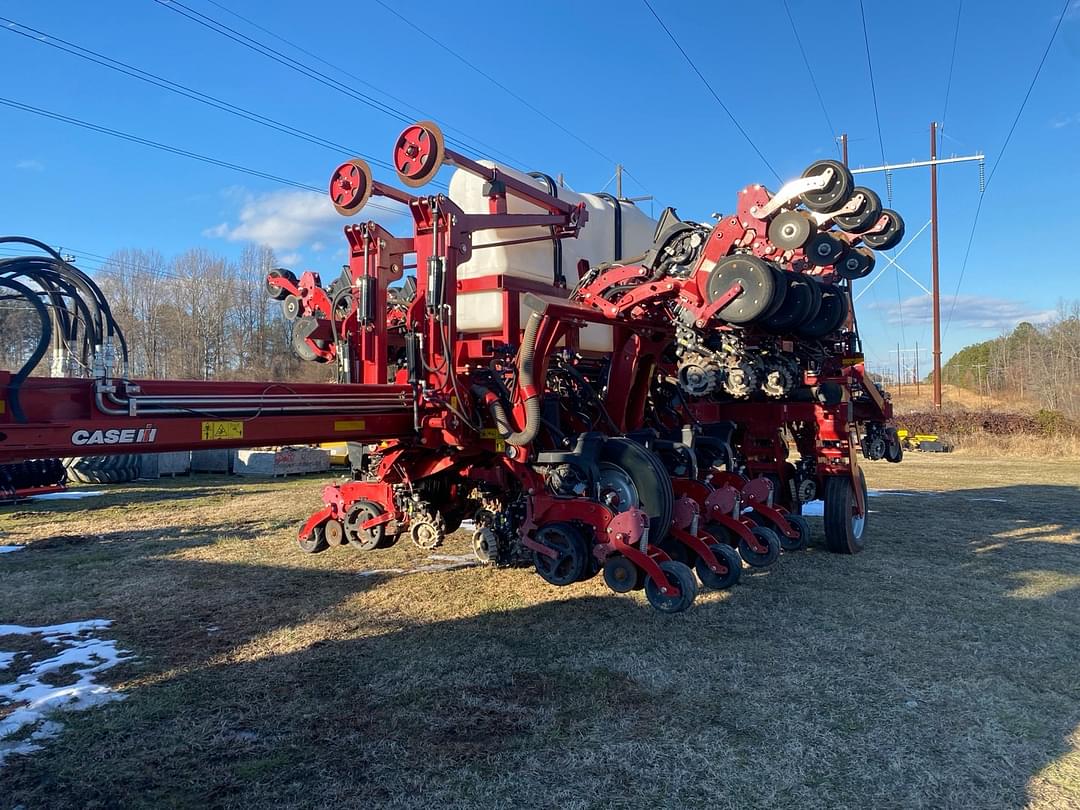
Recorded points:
923,442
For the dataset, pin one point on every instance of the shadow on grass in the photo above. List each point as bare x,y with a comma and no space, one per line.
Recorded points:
916,674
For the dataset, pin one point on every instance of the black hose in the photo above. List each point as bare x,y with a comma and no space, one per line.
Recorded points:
526,381
39,351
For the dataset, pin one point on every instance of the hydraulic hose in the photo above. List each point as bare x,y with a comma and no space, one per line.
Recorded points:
526,384
44,339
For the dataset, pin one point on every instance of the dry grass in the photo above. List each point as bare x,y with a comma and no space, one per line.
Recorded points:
939,669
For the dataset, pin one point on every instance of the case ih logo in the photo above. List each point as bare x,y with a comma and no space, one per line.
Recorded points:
142,435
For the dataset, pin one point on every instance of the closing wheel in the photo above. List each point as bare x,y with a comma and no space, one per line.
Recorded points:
830,316
865,217
758,284
350,186
683,578
419,153
568,564
844,530
802,526
837,190
631,475
767,538
359,538
274,291
621,575
858,263
315,542
729,560
790,230
334,532
780,289
890,236
825,249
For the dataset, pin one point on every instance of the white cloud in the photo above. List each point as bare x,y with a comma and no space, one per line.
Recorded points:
287,220
978,311
30,165
1065,121
281,220
290,259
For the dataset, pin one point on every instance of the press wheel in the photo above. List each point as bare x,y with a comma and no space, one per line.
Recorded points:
790,230
867,215
831,316
890,236
824,249
858,263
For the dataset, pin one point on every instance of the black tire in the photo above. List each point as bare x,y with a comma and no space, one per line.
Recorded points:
865,218
649,477
684,581
358,539
844,533
802,526
888,238
824,249
275,292
761,559
790,230
798,304
831,315
569,566
315,543
726,555
758,284
835,194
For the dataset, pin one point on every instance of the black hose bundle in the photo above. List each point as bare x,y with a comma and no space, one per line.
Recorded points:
526,382
69,306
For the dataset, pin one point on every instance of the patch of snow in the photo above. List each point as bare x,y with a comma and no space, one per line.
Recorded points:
453,557
82,652
992,500
467,526
814,509
71,495
8,549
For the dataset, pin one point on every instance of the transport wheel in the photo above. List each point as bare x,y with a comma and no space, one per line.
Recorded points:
824,249
802,526
631,475
835,194
621,575
758,284
858,263
726,556
571,551
419,153
844,530
888,238
350,186
863,219
364,539
683,578
761,559
790,230
316,541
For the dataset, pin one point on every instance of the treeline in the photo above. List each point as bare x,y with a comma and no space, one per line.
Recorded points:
196,316
1038,363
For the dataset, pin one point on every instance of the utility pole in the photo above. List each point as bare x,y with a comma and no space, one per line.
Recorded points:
618,181
918,382
933,163
934,266
843,148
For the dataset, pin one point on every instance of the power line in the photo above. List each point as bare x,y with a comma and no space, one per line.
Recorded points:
295,65
174,150
709,87
873,87
321,60
1001,155
952,63
494,81
175,87
810,73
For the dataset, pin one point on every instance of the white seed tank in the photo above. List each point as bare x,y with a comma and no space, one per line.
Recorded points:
596,242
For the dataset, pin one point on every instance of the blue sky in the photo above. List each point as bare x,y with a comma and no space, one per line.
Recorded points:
605,72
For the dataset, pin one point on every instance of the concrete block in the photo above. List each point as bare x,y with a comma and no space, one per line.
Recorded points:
212,461
281,461
155,465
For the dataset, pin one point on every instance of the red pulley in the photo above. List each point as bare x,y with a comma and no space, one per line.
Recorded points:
350,186
418,153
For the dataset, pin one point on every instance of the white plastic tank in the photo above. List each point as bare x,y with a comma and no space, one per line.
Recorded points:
535,261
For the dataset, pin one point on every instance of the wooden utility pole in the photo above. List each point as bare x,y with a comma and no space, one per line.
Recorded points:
934,264
933,163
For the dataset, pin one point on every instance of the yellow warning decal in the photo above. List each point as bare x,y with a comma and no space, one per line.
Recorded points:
217,431
493,435
3,406
350,424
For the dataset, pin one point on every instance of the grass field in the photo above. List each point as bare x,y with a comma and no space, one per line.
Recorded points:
941,668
